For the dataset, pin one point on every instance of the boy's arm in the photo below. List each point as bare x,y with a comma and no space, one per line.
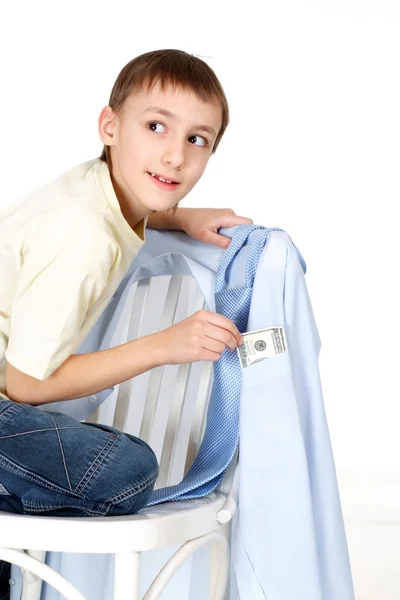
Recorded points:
167,220
201,224
202,336
84,374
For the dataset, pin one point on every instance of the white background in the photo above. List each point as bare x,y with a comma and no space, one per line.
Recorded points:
313,147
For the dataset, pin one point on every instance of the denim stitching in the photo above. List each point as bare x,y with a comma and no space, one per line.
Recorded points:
134,491
3,437
62,453
43,508
12,407
7,464
46,507
94,467
104,507
102,514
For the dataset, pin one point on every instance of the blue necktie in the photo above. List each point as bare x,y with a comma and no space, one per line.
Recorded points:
222,427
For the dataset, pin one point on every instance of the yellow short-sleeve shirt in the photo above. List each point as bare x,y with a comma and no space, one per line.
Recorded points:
64,249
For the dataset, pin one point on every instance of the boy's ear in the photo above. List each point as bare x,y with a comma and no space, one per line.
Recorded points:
106,126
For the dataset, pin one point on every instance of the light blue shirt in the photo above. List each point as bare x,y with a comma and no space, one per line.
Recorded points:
288,539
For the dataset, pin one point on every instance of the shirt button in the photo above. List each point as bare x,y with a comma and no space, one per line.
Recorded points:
12,582
92,399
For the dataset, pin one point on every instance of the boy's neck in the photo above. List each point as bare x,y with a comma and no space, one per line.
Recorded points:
132,217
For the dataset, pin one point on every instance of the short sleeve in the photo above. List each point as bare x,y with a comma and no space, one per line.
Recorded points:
60,282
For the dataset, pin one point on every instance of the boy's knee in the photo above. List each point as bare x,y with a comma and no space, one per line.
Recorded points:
141,470
149,461
133,468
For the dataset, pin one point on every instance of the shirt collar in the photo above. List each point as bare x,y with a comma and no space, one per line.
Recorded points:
102,176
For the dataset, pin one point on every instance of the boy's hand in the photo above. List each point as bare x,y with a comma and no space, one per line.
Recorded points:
202,336
202,224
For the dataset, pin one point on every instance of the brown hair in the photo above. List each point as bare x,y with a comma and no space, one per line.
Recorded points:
169,67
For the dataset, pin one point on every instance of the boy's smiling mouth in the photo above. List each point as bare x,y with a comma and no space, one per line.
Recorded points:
163,184
162,178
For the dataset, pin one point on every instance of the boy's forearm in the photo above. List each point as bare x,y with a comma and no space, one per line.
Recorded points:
84,374
167,220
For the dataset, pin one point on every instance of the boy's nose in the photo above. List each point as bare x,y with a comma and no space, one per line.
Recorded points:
174,155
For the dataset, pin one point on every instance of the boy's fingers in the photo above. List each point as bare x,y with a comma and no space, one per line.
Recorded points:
228,324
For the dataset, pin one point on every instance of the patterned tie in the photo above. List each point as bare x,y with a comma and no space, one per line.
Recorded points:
222,427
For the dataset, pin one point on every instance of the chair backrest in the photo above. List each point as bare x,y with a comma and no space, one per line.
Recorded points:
167,406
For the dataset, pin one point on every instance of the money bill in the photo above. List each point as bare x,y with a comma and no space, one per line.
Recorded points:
261,344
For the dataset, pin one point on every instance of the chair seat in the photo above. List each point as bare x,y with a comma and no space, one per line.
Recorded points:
158,526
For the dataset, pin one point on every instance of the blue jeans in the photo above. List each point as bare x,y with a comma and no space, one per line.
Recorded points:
53,465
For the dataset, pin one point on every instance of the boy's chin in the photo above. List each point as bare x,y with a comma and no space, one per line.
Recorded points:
162,207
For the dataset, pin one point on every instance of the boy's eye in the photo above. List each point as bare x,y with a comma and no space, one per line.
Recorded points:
199,137
151,124
154,123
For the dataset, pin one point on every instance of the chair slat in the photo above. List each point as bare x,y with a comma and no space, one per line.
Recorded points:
175,441
136,309
174,419
166,406
156,374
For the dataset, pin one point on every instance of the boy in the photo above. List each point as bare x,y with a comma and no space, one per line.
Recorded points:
63,251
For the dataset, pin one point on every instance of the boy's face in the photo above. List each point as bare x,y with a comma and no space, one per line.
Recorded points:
143,141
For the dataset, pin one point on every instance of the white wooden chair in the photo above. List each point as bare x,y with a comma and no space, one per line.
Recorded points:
167,408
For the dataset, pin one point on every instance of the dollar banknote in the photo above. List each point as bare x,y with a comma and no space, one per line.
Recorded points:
261,344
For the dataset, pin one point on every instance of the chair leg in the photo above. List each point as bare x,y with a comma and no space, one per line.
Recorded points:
127,576
155,590
23,560
219,570
32,584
